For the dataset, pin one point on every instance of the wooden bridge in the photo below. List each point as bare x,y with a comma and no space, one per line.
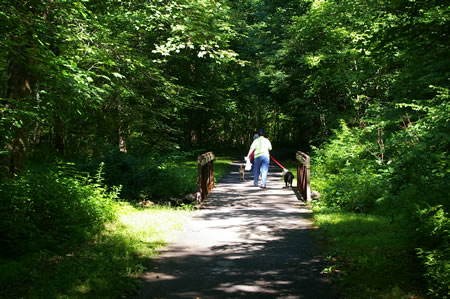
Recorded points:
205,178
244,242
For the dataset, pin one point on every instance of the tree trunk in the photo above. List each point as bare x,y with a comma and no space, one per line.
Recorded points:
59,135
19,88
122,138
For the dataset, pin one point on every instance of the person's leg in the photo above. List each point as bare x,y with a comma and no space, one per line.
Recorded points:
264,169
256,170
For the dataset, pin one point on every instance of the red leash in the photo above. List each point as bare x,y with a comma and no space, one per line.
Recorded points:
278,163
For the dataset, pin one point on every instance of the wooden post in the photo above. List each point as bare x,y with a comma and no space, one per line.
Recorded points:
205,178
303,175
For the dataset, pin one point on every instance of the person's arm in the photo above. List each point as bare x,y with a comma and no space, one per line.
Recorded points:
252,148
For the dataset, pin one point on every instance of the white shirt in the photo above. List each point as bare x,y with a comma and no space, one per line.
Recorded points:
262,146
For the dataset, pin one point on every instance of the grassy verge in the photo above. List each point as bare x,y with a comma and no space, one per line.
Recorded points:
369,256
180,178
187,171
221,167
107,266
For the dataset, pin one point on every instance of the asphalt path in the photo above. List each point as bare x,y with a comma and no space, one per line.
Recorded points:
244,242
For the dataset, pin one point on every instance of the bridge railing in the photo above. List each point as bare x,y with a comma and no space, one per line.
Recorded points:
303,175
205,177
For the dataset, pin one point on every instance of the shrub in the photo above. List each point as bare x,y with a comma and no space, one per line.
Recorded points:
49,209
122,169
155,177
399,171
345,173
434,252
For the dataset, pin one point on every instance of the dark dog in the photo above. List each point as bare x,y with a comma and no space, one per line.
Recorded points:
288,177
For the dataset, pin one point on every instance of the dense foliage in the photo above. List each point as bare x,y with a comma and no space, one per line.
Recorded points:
388,65
104,73
135,83
51,209
411,186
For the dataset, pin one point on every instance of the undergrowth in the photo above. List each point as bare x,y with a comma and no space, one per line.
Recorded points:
43,209
397,174
153,177
107,265
67,233
369,256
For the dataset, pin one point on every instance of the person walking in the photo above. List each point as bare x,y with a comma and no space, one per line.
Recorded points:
252,155
261,147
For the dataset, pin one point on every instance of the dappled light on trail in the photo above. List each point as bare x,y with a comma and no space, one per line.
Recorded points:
244,241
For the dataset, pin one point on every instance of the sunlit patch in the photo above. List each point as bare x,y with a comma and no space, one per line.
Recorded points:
83,288
155,276
230,288
314,60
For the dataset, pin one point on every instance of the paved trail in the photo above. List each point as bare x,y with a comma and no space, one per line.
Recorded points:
244,242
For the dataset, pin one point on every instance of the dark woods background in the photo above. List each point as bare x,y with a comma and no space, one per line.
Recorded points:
82,77
130,83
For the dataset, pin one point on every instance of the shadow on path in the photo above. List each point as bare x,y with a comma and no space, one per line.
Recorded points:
244,242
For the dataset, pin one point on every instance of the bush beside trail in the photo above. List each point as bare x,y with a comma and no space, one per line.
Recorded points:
68,232
400,174
50,209
154,177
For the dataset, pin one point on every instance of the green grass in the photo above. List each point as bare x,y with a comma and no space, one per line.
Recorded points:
369,256
184,176
221,167
188,169
110,263
107,266
291,165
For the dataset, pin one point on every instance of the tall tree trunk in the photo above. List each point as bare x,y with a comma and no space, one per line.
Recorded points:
19,88
122,138
59,135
